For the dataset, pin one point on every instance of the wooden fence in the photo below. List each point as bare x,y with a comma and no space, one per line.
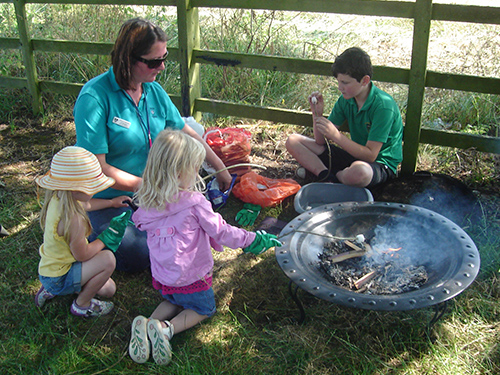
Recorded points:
189,55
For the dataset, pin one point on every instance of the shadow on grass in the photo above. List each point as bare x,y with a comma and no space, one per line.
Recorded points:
255,329
331,335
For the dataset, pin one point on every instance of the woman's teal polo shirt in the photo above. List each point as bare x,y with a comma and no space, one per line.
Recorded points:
108,122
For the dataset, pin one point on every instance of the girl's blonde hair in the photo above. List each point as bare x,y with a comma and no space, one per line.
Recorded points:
69,208
173,157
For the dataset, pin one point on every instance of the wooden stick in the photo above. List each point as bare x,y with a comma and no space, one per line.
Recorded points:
353,246
346,255
363,280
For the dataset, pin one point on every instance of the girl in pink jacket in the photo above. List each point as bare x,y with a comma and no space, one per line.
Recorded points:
181,230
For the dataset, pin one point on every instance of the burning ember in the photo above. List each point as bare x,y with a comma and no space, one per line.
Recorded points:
380,270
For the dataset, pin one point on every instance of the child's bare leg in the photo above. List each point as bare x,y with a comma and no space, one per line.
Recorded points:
305,150
185,320
165,310
181,319
358,174
96,273
108,290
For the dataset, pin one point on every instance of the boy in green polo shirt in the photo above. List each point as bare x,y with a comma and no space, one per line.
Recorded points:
374,150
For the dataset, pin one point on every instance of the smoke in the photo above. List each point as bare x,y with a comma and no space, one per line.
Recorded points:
443,194
410,239
450,204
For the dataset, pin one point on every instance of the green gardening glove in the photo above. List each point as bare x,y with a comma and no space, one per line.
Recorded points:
263,241
248,214
112,237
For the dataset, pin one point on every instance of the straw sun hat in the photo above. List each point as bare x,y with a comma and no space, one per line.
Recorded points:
74,168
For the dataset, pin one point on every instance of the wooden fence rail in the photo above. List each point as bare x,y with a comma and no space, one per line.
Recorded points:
190,56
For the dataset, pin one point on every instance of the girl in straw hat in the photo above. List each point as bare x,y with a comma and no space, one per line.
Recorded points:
69,263
182,228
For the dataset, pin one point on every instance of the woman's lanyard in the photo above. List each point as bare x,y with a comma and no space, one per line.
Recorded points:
145,124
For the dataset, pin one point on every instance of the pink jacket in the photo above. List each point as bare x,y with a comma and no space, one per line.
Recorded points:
181,236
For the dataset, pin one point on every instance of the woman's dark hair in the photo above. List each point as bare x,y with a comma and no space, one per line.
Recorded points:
353,62
136,37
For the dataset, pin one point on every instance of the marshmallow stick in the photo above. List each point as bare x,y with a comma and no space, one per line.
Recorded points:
314,101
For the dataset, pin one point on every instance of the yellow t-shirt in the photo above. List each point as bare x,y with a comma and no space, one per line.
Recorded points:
56,257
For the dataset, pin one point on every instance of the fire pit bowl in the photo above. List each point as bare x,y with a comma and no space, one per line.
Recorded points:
428,239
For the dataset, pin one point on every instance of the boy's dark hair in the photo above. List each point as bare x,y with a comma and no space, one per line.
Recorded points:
353,62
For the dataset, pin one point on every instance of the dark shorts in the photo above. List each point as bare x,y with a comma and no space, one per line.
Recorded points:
201,302
337,159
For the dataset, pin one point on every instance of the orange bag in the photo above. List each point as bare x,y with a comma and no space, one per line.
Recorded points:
232,146
265,192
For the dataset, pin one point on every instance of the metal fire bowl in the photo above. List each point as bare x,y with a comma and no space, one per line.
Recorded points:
451,258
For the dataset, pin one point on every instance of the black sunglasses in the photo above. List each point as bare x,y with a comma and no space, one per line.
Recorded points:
154,63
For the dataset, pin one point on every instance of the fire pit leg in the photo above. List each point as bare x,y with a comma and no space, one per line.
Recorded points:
439,311
293,294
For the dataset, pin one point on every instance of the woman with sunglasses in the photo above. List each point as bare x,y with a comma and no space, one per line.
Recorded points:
118,114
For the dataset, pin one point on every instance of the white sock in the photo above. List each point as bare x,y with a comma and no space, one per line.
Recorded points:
169,331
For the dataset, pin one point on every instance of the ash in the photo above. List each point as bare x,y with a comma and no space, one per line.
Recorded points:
373,272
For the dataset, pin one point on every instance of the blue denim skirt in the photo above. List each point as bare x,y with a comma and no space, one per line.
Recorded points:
201,302
66,284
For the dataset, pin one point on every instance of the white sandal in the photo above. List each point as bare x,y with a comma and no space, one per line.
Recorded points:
138,348
160,345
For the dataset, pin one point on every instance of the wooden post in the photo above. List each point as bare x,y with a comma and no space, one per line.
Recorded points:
189,39
416,90
28,58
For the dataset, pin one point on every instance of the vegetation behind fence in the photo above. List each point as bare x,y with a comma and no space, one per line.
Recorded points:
190,57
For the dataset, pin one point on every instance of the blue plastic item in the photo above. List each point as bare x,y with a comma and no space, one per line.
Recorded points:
217,197
320,193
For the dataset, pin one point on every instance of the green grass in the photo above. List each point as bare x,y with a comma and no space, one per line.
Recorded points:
255,330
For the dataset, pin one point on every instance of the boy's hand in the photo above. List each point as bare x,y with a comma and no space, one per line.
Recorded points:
317,104
327,129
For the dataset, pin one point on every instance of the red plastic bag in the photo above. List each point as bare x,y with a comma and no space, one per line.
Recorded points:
265,192
232,146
